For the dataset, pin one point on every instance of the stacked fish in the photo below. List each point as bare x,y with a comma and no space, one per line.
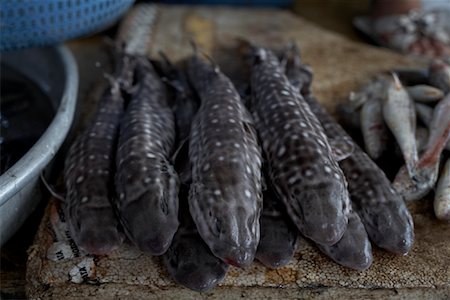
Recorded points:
175,160
414,107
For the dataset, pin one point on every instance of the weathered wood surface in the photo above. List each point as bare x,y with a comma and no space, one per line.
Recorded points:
340,66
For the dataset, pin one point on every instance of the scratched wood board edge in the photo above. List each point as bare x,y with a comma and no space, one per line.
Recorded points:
48,278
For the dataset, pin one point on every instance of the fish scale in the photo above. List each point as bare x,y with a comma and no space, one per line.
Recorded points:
88,174
146,182
383,212
301,167
225,195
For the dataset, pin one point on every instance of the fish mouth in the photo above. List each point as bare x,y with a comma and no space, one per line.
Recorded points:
240,257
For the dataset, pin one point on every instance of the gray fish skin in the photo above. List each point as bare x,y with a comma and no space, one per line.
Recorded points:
189,260
278,234
442,196
439,75
424,113
425,93
146,182
89,179
439,136
301,165
400,116
421,138
225,197
373,129
353,250
383,212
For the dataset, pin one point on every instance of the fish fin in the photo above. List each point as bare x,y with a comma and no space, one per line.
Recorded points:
340,148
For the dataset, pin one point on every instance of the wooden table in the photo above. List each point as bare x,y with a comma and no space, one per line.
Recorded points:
340,66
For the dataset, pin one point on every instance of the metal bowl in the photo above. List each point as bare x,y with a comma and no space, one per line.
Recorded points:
54,70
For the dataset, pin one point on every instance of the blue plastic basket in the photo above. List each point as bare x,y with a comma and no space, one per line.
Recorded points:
30,23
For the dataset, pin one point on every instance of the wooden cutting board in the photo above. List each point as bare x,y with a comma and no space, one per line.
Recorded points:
56,268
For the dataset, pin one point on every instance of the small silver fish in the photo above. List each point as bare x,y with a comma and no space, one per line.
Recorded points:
400,116
278,234
439,75
301,165
89,178
225,196
410,189
383,212
425,93
373,129
353,250
439,136
146,182
424,113
442,195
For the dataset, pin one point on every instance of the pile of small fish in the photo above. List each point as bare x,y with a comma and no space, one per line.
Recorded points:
179,162
413,107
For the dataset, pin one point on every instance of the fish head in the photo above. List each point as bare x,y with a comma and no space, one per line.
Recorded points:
192,264
231,231
149,209
324,210
389,223
95,235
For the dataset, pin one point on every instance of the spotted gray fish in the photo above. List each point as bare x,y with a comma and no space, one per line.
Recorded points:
89,178
439,75
278,234
301,166
146,182
225,196
400,116
442,195
383,212
373,129
353,250
425,93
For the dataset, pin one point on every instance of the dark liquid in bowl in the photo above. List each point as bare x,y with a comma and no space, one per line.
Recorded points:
25,113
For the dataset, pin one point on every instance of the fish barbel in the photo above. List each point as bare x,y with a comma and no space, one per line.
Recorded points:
146,182
225,195
301,166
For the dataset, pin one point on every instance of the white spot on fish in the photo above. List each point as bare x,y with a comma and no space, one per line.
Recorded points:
247,193
217,192
281,151
92,134
249,171
122,196
150,155
144,169
336,175
206,167
294,137
105,156
302,124
147,180
232,120
327,169
236,145
308,173
230,107
292,180
84,199
291,103
305,134
221,158
214,121
321,143
80,179
218,144
215,106
284,92
287,126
